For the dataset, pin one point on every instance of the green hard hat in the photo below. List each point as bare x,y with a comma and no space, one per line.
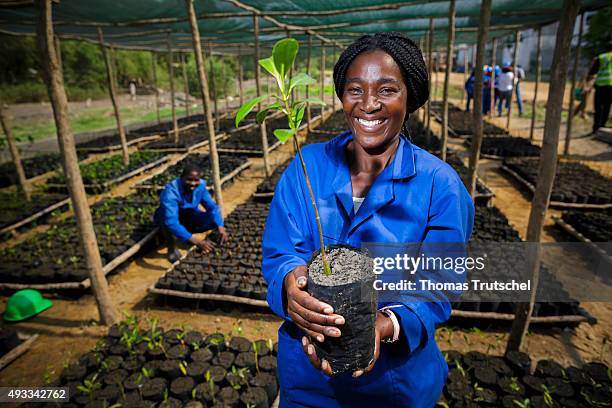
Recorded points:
25,303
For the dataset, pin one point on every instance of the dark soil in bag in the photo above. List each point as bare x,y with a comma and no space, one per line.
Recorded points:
349,290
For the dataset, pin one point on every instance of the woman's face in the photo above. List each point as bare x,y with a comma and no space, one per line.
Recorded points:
375,100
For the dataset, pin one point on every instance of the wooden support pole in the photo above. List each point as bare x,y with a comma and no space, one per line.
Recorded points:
175,129
537,84
449,62
240,76
154,67
430,70
112,92
74,182
517,42
58,47
8,132
212,142
262,128
547,165
465,71
213,84
483,32
224,80
308,60
185,83
332,78
570,112
493,63
322,77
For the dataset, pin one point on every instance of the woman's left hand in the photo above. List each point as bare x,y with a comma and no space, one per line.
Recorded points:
383,329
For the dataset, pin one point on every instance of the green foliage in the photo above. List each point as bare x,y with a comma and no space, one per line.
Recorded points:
598,36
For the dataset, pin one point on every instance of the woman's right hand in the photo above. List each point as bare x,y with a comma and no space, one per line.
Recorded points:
317,319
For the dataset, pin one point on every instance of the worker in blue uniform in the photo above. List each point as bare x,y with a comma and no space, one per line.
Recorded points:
180,215
371,184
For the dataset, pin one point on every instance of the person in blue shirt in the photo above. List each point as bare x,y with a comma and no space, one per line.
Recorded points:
469,90
179,214
371,184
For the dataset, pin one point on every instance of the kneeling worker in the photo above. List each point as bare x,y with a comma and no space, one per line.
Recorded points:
179,215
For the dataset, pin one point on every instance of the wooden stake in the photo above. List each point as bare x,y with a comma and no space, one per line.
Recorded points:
547,165
332,81
224,80
465,70
58,47
262,128
74,182
308,60
493,63
430,70
21,176
449,63
537,84
185,83
483,31
154,66
212,142
175,128
322,77
240,75
111,90
213,84
570,112
517,42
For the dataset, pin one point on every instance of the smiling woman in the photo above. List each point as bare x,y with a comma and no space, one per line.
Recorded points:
371,185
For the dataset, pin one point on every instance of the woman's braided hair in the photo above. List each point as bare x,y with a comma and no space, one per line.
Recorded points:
406,55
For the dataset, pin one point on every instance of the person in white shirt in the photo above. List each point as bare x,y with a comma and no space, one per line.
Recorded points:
520,75
505,86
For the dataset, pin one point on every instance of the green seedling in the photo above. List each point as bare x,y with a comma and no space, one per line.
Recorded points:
279,66
256,351
211,385
183,367
548,399
514,386
526,403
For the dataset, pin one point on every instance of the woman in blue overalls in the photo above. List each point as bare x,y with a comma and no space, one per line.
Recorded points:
371,185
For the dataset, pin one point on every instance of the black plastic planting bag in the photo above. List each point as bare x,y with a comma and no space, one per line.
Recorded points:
355,300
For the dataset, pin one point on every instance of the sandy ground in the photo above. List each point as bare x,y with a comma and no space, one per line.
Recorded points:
70,329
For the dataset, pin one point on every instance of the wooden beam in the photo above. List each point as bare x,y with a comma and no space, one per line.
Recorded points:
185,83
447,71
465,71
112,92
212,142
333,93
175,128
154,68
547,165
517,43
22,182
74,182
537,84
570,112
262,128
483,31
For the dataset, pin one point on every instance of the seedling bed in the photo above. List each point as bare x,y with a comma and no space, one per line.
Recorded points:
16,213
230,167
483,193
591,227
481,380
334,124
13,344
53,259
188,140
265,189
137,367
233,272
33,166
499,148
103,174
576,185
249,141
461,122
422,138
490,225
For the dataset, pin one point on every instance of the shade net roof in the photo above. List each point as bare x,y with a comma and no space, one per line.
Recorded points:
229,25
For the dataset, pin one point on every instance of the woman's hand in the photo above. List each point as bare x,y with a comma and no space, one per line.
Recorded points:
316,318
383,329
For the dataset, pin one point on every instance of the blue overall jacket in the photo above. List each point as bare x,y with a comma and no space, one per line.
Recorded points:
177,207
416,198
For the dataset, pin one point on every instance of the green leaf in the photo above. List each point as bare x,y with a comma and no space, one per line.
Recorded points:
268,65
261,115
283,134
283,54
247,108
297,115
301,79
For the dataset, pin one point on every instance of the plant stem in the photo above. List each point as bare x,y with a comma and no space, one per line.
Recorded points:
326,266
